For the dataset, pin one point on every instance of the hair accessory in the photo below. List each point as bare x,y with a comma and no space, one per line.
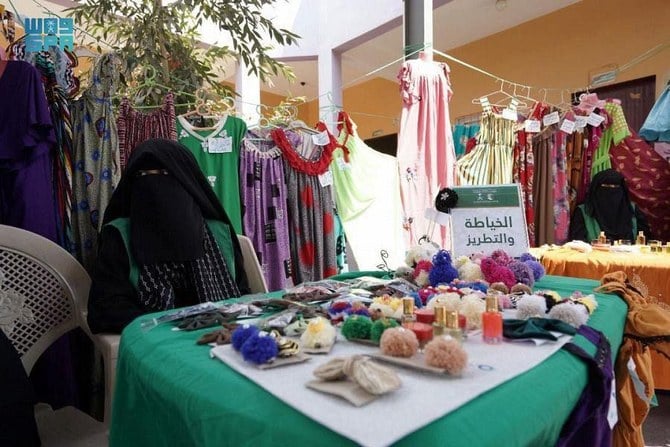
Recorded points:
445,200
260,348
446,353
399,342
241,334
372,377
380,326
319,334
356,327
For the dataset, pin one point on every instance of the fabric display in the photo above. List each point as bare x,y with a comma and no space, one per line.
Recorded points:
657,125
217,150
265,217
310,204
425,154
97,167
135,127
462,133
367,189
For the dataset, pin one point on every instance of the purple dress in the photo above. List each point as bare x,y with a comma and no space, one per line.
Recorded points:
264,217
26,143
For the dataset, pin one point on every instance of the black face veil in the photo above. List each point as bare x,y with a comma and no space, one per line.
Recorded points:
609,204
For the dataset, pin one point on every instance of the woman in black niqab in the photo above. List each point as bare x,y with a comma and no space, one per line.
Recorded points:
165,199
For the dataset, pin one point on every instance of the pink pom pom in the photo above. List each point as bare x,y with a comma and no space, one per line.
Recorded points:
399,342
501,274
500,257
422,266
446,353
487,267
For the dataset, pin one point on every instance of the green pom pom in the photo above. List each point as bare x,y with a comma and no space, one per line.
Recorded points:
379,326
356,327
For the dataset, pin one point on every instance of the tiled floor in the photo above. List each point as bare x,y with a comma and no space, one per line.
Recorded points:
657,426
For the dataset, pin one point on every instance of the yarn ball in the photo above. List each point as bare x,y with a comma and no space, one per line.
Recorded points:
339,309
259,348
494,272
379,326
445,200
522,272
472,307
501,257
570,312
419,252
358,308
467,269
356,327
446,353
527,257
500,287
536,268
426,293
443,272
399,342
450,300
529,306
241,334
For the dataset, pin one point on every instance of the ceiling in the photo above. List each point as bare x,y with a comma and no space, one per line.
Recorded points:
455,23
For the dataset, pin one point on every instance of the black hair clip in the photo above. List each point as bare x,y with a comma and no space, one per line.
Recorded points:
446,200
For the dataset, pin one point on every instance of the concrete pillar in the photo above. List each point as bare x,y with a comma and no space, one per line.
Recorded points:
330,87
418,25
249,88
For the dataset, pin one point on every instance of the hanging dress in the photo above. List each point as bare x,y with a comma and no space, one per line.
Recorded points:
265,217
491,162
27,143
217,151
367,190
613,134
657,125
97,168
425,155
310,205
523,172
136,127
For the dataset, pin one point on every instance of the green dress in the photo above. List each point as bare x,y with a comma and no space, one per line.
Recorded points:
217,152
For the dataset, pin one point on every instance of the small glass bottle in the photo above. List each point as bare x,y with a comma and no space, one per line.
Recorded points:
453,328
440,323
602,239
641,239
408,317
492,327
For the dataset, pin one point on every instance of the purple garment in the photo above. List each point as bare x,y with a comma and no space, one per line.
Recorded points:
26,144
587,424
264,217
26,131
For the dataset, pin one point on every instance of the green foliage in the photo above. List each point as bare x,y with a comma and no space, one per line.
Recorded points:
165,37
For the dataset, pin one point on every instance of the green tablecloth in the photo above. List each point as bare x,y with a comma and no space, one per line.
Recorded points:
170,393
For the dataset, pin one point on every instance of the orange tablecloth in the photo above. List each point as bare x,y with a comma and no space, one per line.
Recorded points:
653,270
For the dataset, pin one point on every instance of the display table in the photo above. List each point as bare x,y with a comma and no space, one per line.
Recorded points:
169,392
653,270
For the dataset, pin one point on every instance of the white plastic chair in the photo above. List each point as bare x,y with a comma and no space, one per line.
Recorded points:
41,288
252,267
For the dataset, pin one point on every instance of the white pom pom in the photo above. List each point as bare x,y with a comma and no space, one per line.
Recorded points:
529,306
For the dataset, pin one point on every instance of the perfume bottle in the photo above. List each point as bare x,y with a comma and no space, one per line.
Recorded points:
453,328
641,239
408,318
492,327
440,323
602,239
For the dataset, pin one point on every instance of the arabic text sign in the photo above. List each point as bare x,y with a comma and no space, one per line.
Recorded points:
489,218
45,32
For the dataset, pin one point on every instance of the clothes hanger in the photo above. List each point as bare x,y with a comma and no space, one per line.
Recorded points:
203,109
499,102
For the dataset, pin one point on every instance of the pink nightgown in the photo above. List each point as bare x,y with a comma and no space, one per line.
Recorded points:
426,155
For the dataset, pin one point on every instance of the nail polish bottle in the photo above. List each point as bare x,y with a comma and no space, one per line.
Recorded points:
492,327
641,239
453,328
440,323
408,318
